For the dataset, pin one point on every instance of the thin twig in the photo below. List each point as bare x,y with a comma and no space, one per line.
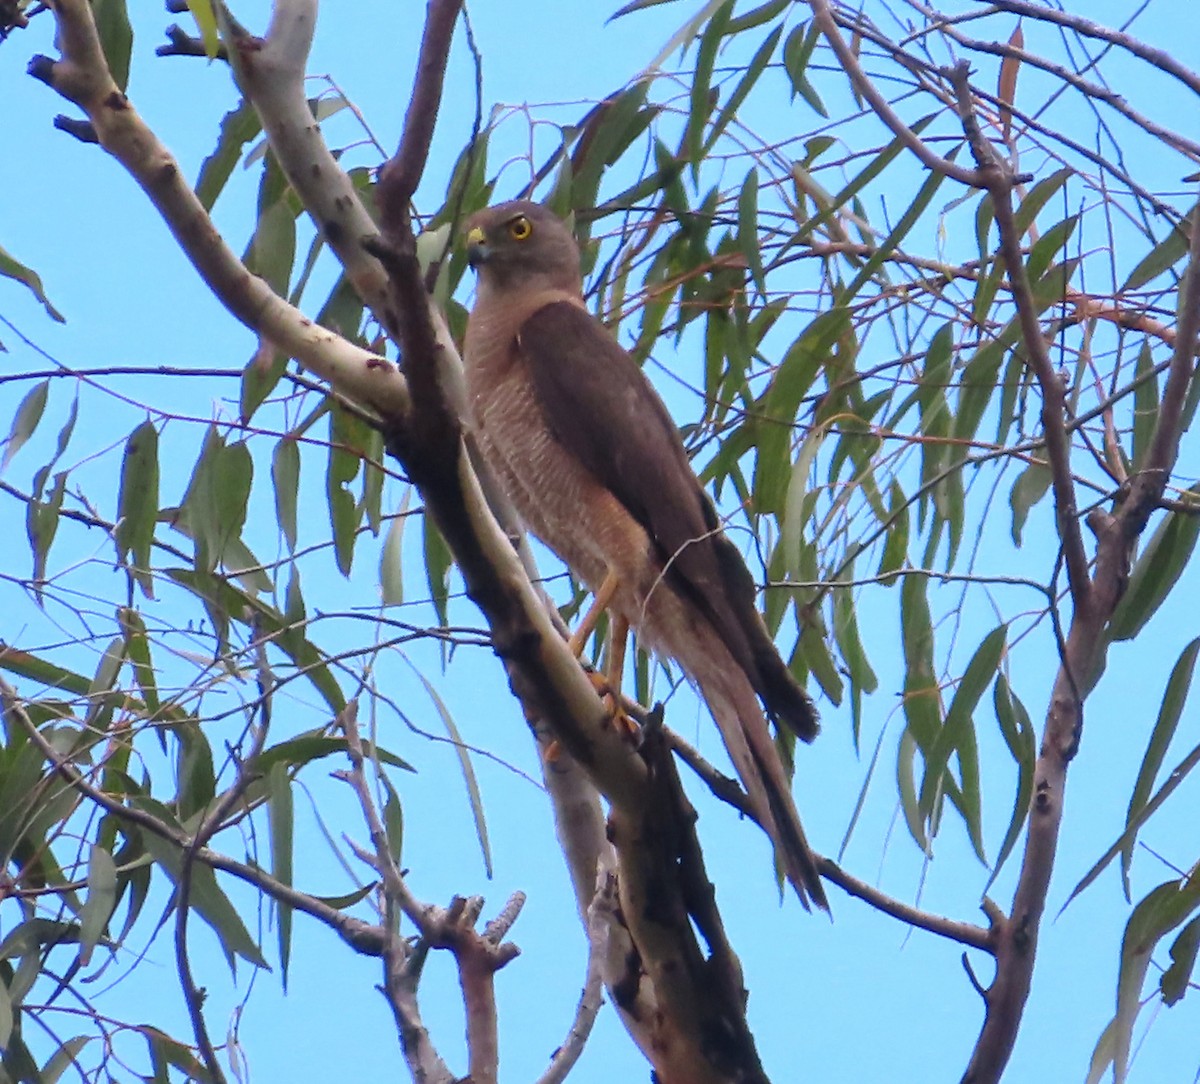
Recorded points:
966,933
999,180
590,1000
823,17
359,935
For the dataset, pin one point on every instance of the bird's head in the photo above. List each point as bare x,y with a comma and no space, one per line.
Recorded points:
522,243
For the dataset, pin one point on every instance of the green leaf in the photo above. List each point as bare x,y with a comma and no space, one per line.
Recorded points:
1049,245
42,671
344,462
273,249
922,699
438,560
11,268
906,755
165,1051
1145,405
1017,730
468,771
957,735
340,903
1163,256
206,897
1176,979
282,823
260,378
6,1014
753,70
1169,714
1166,907
1031,486
228,482
391,567
25,421
238,127
100,903
848,639
813,649
1037,198
63,1058
764,13
285,477
703,96
102,693
393,821
315,745
116,37
605,135
137,504
41,525
1156,571
797,52
747,235
895,547
197,780
137,650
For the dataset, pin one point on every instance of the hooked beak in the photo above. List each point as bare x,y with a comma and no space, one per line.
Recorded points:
477,249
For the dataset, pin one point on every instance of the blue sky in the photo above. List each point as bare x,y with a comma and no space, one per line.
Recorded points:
856,1000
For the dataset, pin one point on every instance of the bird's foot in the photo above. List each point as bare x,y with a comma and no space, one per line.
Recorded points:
624,722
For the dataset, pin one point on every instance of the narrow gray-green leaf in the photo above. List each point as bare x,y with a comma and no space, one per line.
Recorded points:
285,476
1166,907
282,824
1177,978
1156,570
100,902
210,903
391,567
6,1014
1169,714
1031,486
1145,405
12,268
25,421
468,771
63,1058
137,504
238,127
1017,730
1163,256
116,37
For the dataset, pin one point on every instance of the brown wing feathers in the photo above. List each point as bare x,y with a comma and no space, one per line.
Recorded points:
587,400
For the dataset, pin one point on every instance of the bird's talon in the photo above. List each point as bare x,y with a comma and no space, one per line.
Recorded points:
625,723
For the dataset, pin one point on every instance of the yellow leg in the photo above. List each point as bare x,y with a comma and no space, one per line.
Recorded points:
618,640
617,643
599,604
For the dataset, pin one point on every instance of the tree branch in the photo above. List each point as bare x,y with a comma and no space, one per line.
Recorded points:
360,936
1155,57
81,76
823,17
479,956
965,933
997,177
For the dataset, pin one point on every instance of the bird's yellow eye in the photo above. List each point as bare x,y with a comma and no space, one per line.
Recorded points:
520,228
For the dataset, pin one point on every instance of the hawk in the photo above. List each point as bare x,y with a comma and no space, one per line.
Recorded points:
595,467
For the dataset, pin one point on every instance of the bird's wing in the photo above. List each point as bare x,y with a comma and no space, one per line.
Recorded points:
599,405
601,408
